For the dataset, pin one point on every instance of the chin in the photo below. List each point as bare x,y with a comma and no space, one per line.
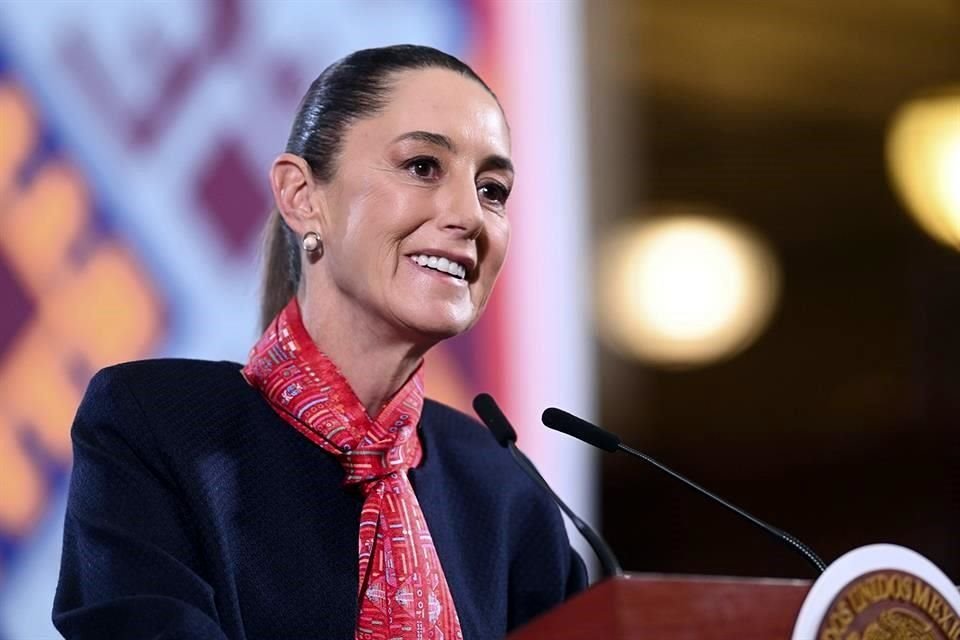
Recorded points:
436,327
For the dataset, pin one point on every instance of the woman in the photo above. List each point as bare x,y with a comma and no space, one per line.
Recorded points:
314,493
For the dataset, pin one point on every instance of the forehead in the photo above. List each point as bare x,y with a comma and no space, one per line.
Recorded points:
445,102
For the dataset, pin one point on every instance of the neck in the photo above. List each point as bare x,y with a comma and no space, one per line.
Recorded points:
375,363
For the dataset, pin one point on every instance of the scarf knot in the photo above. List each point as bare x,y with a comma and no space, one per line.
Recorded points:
368,463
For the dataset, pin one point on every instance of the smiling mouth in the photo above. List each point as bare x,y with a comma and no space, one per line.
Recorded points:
441,265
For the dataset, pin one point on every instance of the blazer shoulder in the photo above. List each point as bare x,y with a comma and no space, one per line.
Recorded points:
445,423
169,371
467,446
172,392
177,383
465,452
172,411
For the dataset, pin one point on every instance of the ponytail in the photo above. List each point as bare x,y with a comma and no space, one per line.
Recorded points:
281,270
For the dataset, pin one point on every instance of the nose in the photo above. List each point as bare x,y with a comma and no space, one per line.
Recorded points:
462,214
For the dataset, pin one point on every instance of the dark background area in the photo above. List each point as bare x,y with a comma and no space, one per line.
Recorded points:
839,424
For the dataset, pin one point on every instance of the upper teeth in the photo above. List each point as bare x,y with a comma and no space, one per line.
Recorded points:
441,264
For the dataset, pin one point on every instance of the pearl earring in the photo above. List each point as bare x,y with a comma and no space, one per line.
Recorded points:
311,241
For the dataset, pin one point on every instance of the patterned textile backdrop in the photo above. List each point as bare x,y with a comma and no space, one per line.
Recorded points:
134,144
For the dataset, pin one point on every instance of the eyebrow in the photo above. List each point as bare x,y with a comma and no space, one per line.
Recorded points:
493,162
436,139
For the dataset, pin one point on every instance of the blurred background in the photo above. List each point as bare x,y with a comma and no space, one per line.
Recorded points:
735,244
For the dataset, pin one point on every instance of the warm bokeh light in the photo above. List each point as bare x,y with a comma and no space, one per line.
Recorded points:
923,152
684,290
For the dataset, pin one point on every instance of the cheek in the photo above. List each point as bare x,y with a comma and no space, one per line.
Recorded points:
378,221
499,242
493,258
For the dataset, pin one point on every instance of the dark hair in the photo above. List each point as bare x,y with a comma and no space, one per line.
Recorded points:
350,89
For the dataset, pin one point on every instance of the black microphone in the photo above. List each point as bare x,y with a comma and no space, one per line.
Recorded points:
580,429
502,430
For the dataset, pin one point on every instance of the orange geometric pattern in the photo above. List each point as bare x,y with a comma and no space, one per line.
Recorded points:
75,299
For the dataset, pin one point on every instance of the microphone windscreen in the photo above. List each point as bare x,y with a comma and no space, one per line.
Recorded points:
486,407
567,423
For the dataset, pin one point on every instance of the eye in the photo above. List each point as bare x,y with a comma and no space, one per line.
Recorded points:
494,192
425,168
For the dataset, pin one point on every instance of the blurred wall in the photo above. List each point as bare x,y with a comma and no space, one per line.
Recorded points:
840,422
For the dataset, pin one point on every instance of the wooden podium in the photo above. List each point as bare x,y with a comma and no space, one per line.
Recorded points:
654,607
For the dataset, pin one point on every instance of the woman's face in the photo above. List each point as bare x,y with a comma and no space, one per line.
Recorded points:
414,228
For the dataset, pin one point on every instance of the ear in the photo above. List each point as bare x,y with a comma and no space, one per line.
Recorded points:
293,184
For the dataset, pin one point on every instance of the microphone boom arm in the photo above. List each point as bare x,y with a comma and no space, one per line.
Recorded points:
804,550
564,422
611,567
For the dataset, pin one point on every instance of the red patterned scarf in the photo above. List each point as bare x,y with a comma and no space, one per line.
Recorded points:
403,592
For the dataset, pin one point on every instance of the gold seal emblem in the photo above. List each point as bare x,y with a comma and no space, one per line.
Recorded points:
889,605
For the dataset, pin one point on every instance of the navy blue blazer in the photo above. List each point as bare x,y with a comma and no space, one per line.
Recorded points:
195,512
